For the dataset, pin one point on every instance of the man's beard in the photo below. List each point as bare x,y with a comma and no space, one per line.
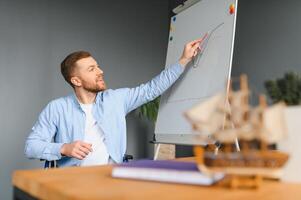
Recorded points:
96,88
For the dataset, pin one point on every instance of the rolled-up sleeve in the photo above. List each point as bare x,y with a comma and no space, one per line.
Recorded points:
134,97
39,142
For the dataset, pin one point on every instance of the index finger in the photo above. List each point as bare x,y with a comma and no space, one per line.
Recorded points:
199,40
87,145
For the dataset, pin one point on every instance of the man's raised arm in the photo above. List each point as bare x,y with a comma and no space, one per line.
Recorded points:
134,97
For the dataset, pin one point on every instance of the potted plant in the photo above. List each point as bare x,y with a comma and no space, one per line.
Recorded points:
150,110
288,89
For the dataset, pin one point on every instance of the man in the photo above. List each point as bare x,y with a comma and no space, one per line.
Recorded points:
89,126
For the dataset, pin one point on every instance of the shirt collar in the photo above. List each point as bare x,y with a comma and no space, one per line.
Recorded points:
99,97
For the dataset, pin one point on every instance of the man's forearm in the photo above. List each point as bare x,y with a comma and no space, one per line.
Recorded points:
183,62
42,150
152,89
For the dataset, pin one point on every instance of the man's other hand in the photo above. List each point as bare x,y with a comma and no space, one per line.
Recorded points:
77,149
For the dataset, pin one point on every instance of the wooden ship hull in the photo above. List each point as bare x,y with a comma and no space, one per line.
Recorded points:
267,164
265,159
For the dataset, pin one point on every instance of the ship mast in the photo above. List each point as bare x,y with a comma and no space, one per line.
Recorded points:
262,105
244,88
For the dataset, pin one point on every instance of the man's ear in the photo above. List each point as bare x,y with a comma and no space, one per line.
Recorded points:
76,81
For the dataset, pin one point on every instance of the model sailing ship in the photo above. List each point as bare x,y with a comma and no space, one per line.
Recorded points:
228,118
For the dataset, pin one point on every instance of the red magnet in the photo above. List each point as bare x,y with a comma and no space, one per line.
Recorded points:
232,9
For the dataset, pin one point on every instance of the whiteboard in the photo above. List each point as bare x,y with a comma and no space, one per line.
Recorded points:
203,77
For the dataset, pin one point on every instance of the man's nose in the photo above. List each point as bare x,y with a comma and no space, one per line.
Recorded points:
99,71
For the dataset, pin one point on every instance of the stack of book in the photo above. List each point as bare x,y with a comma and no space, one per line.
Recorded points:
165,171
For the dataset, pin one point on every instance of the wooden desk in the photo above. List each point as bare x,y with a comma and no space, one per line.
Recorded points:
97,183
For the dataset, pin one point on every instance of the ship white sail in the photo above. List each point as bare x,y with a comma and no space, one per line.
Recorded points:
208,116
212,118
274,124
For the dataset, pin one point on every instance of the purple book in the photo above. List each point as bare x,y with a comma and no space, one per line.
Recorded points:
164,171
162,164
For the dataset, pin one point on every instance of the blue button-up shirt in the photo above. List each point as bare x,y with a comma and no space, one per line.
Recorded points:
63,120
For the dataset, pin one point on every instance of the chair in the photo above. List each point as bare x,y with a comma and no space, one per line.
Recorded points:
53,163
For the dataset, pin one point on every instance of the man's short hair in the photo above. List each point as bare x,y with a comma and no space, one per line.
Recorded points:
68,64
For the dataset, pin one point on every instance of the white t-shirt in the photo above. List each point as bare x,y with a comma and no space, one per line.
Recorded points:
94,135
